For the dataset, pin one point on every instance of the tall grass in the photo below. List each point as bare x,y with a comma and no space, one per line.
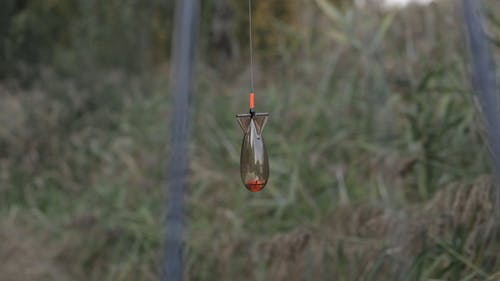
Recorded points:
377,162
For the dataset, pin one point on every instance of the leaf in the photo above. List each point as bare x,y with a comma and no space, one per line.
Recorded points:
329,10
382,30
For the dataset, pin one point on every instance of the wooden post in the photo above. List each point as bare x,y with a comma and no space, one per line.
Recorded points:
186,14
483,79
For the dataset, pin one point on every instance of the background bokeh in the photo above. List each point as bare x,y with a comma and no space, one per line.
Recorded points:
378,159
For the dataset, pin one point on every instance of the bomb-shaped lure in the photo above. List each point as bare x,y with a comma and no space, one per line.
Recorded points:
254,164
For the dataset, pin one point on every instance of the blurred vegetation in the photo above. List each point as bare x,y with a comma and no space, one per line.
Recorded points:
379,163
91,34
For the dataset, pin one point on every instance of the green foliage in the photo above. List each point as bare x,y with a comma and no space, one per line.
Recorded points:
77,36
371,117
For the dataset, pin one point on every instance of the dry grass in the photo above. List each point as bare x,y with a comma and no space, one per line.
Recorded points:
355,243
375,147
379,243
26,255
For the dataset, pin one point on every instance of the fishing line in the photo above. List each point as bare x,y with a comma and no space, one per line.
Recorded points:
251,54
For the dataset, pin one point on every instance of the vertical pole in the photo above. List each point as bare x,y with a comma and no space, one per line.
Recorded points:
186,13
483,78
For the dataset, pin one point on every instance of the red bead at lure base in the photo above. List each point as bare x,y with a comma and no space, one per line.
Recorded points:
254,163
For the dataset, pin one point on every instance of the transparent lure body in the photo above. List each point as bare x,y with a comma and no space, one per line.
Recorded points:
254,164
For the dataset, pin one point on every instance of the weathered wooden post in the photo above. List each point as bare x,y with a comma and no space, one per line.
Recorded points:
186,14
484,82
